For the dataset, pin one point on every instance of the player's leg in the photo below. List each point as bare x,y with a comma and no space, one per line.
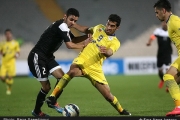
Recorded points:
57,72
96,76
3,71
170,79
38,68
73,72
160,71
105,91
11,73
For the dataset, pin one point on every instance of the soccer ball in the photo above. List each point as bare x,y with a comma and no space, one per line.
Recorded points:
71,110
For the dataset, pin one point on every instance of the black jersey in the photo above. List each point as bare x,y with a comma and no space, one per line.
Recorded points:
53,37
164,42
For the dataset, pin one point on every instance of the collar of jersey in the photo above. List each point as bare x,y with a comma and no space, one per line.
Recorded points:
168,18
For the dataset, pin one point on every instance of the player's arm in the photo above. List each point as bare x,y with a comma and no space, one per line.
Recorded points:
17,49
71,45
151,38
108,52
105,51
83,29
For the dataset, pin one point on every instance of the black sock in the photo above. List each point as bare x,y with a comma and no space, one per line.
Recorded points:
161,75
58,95
40,100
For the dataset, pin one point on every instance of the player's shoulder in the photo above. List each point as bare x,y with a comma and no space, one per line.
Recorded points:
62,26
100,26
157,30
114,39
15,41
174,19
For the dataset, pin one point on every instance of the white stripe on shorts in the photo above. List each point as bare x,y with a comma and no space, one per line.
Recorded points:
55,68
38,73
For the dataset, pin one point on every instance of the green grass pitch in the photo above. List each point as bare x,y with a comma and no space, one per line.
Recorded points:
140,95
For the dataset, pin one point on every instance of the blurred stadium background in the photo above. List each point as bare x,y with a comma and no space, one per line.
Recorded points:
29,18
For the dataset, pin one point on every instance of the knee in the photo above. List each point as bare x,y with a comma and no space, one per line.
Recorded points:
168,77
46,88
72,72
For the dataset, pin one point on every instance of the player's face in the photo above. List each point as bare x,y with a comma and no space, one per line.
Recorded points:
160,13
8,35
70,20
111,27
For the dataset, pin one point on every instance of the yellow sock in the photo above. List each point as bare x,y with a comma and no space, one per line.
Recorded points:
173,88
61,84
116,105
9,83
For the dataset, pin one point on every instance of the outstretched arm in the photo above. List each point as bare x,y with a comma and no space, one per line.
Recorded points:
79,42
152,37
83,29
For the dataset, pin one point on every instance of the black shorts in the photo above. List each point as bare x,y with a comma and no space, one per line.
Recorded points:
163,60
41,66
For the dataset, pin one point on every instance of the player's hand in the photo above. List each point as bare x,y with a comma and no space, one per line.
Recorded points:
103,49
148,44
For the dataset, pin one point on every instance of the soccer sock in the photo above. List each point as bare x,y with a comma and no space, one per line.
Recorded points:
173,88
161,75
58,95
116,105
61,84
40,100
9,83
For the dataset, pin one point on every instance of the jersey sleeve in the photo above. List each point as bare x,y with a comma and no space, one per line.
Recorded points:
176,27
156,32
71,35
152,37
115,46
65,32
91,29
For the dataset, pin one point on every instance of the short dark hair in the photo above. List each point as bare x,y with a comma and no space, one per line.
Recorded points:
72,11
7,30
163,4
115,18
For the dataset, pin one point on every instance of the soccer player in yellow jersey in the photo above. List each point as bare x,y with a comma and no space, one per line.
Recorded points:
10,51
90,60
163,13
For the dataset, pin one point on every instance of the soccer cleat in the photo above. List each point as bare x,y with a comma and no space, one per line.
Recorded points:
41,114
8,92
175,112
161,83
51,102
125,112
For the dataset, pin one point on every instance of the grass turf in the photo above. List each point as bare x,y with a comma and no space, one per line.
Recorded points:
140,95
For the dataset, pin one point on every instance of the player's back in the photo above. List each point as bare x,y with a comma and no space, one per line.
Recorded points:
174,30
91,52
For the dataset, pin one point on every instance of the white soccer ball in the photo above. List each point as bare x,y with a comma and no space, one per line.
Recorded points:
71,110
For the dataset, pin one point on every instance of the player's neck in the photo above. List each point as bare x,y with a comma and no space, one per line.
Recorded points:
168,16
9,40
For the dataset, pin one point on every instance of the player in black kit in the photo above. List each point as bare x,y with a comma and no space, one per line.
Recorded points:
164,51
41,60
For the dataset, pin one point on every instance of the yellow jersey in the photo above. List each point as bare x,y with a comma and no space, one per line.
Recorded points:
174,30
9,50
91,53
